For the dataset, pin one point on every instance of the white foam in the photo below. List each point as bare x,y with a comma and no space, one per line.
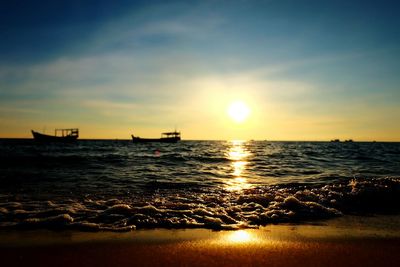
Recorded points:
215,210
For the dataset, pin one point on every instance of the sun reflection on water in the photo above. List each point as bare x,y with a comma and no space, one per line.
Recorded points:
238,155
238,167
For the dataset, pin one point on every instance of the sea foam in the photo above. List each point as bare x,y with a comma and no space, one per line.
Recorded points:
216,209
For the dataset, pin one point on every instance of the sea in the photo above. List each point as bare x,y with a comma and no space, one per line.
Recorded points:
118,185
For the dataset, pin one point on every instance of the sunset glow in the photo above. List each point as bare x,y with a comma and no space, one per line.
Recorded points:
238,111
266,70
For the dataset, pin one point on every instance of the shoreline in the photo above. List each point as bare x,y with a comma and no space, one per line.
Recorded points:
345,241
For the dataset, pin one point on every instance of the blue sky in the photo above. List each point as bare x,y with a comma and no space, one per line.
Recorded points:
308,70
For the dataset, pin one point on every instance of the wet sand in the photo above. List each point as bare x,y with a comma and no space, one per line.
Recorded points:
344,242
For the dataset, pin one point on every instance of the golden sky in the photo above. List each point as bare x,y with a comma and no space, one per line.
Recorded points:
306,70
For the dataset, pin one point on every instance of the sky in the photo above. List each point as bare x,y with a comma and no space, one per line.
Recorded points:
307,70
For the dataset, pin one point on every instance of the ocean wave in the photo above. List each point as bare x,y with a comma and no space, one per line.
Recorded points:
119,186
212,208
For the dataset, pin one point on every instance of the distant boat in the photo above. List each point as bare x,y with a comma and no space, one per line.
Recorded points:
338,141
60,135
168,137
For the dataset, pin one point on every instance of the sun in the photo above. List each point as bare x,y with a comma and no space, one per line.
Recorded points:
238,111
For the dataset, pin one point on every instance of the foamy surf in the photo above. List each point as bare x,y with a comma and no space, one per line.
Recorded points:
214,209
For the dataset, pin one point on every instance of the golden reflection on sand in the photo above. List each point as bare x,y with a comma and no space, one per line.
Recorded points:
244,237
238,154
240,236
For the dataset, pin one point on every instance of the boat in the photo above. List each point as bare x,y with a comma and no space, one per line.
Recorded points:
60,135
168,137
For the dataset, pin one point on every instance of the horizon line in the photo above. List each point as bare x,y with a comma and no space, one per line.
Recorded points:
220,140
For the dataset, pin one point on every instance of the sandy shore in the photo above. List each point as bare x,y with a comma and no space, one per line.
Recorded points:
350,241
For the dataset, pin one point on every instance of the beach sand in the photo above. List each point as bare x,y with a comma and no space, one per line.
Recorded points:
347,241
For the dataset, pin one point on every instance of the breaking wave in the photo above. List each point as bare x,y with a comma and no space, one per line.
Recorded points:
212,208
